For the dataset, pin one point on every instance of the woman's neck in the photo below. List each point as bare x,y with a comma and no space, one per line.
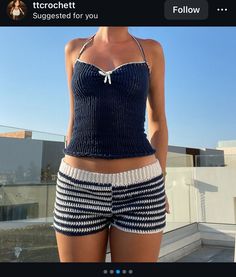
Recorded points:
113,34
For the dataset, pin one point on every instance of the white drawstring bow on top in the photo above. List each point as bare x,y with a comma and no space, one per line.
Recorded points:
107,75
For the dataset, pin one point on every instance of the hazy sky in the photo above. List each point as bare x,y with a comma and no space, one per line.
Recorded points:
200,85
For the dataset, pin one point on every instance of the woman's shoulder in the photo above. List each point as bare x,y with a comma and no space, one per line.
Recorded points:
150,44
74,44
152,48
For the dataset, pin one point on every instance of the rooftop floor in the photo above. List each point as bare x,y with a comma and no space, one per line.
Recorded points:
210,254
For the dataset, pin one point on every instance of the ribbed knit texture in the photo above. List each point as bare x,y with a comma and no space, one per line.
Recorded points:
109,118
127,177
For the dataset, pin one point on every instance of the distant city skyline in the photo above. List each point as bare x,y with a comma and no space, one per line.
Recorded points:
199,85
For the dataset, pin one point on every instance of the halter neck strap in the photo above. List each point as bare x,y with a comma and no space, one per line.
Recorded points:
85,44
140,47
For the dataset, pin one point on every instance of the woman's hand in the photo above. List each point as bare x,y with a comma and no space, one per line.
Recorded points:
167,205
67,140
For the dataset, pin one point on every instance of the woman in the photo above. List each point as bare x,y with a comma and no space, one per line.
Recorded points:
16,10
111,175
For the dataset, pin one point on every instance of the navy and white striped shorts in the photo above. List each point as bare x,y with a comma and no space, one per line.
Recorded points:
87,202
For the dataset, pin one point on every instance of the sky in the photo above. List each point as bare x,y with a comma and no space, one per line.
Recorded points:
200,80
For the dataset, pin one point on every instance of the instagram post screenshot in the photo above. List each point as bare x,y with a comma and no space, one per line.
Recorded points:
118,136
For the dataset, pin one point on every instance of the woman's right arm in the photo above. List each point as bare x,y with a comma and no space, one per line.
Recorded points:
69,71
72,49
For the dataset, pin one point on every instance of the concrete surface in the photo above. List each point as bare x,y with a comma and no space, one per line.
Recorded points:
210,254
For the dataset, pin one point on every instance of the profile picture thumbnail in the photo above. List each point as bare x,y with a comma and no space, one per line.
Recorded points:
16,10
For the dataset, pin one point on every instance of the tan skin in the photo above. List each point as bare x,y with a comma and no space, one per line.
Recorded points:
111,47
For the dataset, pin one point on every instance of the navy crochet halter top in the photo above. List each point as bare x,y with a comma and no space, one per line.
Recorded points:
109,110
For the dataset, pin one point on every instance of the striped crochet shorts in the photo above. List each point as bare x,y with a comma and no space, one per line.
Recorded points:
87,202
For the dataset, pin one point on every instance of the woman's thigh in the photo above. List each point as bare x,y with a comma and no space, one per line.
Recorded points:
131,247
86,248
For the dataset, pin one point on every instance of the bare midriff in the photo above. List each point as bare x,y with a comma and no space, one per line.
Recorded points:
109,165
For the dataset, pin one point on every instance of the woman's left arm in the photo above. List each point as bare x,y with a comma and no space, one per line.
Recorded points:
157,123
